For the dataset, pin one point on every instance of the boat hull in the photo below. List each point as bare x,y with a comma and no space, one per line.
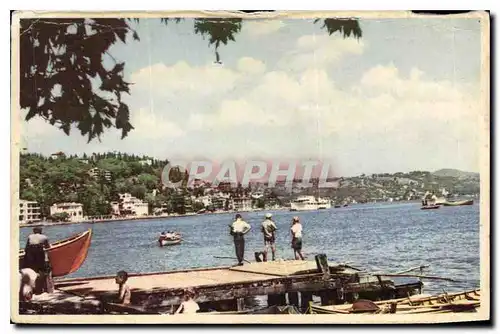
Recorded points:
164,242
309,207
442,303
67,256
430,207
469,202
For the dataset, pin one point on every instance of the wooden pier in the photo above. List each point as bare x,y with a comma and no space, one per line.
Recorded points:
225,288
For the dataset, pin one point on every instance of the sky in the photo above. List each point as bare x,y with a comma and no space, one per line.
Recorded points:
403,97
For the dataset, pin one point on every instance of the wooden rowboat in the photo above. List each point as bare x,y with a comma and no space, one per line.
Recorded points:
458,203
442,303
429,207
67,256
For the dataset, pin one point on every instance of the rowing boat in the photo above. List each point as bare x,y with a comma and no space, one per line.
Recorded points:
458,203
169,242
442,303
66,256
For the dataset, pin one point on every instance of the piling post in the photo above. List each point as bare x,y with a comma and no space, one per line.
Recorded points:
271,300
324,298
293,298
305,298
322,264
240,304
281,299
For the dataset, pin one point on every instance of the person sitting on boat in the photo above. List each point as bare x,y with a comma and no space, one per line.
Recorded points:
124,293
35,258
296,231
268,229
189,305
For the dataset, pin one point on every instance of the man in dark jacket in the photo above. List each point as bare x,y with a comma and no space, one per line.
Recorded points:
35,258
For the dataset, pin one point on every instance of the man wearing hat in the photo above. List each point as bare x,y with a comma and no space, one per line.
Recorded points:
269,229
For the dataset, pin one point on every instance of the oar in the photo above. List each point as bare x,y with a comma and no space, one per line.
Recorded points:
419,276
413,269
229,257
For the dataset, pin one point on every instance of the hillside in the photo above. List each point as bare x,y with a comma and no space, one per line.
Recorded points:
449,172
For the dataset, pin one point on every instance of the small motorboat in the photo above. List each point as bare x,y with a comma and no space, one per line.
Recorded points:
169,239
458,203
66,256
429,207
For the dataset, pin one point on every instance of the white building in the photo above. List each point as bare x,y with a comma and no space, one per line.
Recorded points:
115,208
29,211
74,210
257,195
131,205
97,172
148,162
57,155
241,204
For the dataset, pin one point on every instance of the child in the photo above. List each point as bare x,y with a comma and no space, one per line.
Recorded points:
188,306
28,278
124,293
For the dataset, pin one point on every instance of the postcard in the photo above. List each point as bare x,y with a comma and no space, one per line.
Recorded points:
250,167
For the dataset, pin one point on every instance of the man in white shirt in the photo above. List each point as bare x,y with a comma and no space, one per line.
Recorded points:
269,228
296,231
238,229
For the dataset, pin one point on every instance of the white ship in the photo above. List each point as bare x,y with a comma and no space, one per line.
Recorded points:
307,203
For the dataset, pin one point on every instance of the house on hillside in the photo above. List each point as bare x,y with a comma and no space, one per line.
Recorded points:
147,162
57,155
97,172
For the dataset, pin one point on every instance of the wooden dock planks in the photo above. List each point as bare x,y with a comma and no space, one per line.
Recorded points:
194,278
278,268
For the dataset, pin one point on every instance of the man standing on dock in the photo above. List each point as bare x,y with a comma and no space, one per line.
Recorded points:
238,229
296,231
269,229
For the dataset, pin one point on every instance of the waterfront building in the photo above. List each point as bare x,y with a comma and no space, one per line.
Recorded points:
29,211
74,210
130,205
241,204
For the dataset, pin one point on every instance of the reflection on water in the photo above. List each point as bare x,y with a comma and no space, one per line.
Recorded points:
377,237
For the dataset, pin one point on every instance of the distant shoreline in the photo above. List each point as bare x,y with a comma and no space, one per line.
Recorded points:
112,220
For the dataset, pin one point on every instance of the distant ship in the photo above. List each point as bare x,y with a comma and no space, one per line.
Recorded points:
309,203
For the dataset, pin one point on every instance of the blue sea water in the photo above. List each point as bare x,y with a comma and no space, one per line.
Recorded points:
377,237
